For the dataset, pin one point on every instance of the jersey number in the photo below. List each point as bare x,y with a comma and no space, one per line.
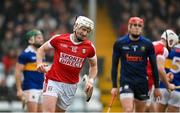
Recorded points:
175,68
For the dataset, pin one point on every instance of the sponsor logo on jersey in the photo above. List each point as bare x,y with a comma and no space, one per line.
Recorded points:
133,58
64,45
125,47
71,60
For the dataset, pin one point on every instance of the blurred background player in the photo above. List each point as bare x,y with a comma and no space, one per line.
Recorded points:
71,50
162,48
171,100
31,89
134,50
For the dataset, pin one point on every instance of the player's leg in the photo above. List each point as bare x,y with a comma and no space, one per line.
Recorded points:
40,107
174,102
173,109
141,96
150,106
32,106
32,97
161,105
49,103
139,105
126,98
59,109
50,96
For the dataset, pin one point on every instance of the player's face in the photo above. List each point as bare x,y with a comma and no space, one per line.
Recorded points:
39,40
135,29
82,33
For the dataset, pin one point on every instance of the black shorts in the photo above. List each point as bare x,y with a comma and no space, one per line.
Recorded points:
139,90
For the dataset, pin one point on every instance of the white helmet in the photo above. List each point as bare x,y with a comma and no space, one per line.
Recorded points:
170,37
83,21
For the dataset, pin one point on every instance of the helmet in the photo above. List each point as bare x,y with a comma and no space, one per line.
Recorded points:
32,33
133,20
170,37
83,21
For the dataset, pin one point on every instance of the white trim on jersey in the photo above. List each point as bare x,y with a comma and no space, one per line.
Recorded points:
75,43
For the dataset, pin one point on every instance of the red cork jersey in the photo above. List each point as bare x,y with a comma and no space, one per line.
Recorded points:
69,58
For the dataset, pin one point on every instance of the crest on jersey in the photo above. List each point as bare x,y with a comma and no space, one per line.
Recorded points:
83,51
134,47
143,48
74,49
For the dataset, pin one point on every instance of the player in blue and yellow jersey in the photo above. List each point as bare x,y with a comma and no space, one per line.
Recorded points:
30,89
170,101
134,50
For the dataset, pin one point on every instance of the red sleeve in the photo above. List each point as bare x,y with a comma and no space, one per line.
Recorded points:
159,49
54,40
92,51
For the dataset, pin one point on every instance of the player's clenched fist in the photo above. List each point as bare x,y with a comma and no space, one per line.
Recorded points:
170,76
42,67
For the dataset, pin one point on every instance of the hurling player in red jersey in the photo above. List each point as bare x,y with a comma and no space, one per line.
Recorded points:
161,47
71,50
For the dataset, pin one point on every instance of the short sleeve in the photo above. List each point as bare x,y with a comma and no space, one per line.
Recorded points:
22,59
53,41
92,52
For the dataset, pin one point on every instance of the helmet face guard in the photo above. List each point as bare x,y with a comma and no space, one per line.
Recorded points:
170,37
83,21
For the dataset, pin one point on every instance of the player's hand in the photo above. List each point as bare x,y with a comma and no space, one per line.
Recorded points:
20,95
114,91
157,94
170,76
42,67
89,85
171,87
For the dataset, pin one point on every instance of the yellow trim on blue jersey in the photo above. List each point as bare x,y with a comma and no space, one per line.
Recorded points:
169,65
30,67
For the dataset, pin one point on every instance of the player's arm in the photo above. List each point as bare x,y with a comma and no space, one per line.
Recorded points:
18,76
92,75
152,59
93,67
114,68
41,67
115,62
162,72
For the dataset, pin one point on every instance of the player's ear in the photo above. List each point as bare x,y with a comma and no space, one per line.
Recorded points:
31,40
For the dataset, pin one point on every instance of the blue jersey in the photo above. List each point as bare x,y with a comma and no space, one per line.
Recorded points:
134,56
32,78
173,65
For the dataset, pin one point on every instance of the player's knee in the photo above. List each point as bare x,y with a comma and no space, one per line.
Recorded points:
129,109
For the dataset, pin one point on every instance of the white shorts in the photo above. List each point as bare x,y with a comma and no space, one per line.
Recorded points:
33,95
151,97
63,91
172,98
